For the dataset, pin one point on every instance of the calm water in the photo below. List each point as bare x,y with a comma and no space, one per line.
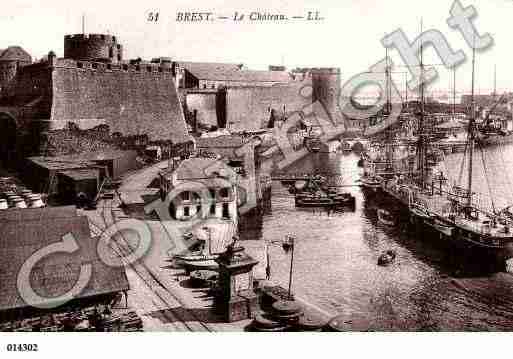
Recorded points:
335,261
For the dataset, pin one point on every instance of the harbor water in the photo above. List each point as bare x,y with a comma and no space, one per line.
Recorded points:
335,259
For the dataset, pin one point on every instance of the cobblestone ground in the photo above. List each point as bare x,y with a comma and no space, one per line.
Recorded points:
159,293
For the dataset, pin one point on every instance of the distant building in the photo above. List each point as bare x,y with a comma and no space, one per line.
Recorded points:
11,60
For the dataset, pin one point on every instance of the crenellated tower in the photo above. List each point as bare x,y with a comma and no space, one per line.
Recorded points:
93,47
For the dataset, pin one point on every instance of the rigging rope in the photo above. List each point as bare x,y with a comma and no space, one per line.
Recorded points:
486,175
508,180
462,164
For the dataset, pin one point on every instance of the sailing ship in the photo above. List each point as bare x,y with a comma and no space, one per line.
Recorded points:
497,126
389,155
452,213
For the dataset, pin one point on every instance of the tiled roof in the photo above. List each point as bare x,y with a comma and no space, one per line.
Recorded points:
54,274
205,67
78,161
210,172
232,72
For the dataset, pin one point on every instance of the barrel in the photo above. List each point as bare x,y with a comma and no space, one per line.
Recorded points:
11,198
287,311
19,203
25,192
35,201
8,193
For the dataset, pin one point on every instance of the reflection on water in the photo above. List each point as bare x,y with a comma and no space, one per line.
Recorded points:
336,264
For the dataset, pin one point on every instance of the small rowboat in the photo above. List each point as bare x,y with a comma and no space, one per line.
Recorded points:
386,217
386,258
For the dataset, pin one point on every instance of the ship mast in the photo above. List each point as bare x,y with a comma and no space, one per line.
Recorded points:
454,93
494,81
421,144
471,125
387,111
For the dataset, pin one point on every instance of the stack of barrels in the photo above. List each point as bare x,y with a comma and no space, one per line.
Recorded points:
21,198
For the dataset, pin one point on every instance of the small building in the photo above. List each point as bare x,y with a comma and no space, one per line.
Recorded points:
54,274
224,147
208,174
71,173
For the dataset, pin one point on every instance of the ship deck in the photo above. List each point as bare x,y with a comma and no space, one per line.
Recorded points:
440,206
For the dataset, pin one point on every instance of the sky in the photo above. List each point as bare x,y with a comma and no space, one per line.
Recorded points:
348,37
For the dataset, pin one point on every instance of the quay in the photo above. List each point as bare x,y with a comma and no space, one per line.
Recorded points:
163,296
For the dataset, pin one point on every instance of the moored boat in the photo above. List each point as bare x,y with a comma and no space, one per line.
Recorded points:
386,217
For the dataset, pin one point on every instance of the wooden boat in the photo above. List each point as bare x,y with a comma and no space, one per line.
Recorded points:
325,200
386,258
386,217
370,182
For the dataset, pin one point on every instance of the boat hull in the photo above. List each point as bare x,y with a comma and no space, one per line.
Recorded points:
495,139
472,248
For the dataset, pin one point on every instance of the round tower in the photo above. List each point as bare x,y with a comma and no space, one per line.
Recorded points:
11,59
93,47
326,87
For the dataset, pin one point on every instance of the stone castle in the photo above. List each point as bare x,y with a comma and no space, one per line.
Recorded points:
92,98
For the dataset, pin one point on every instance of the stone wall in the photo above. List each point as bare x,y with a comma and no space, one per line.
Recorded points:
133,99
75,141
247,108
205,104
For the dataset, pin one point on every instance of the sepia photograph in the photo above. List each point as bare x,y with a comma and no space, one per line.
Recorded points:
244,167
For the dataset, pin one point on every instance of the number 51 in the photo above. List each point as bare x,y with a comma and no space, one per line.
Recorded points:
153,17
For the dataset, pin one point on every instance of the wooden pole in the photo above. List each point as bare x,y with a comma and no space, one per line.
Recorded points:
291,269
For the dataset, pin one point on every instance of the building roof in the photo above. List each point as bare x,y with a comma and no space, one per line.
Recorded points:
28,214
60,162
207,171
15,53
225,141
244,76
81,173
78,161
233,72
54,274
205,67
195,168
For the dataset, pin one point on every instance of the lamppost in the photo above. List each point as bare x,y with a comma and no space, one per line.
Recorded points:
288,246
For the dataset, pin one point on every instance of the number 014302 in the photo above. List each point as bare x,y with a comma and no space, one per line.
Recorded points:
22,348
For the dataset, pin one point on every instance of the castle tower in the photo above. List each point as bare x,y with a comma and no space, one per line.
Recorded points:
326,88
93,47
